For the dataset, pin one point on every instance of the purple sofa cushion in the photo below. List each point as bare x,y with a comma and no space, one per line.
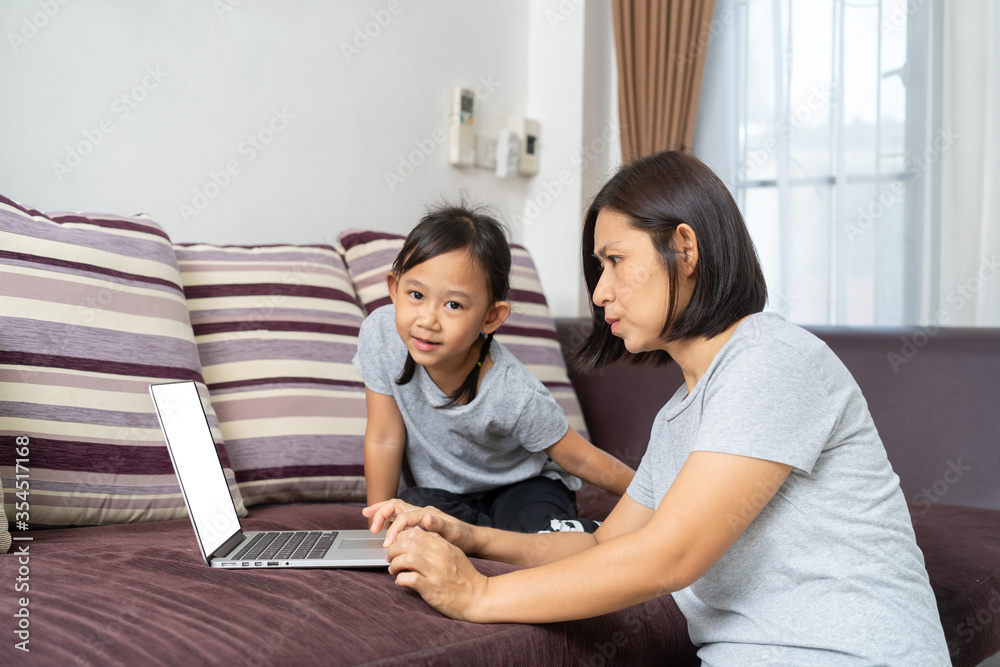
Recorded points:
961,548
140,594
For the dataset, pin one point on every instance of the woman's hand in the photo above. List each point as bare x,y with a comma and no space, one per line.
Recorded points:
403,515
386,512
440,573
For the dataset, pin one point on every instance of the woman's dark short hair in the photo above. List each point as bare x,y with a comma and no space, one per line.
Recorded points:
656,194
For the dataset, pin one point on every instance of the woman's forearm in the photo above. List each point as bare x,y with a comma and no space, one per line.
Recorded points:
610,576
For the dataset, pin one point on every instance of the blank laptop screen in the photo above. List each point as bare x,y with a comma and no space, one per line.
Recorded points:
197,463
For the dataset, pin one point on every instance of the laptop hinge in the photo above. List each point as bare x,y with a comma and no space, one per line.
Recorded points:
227,546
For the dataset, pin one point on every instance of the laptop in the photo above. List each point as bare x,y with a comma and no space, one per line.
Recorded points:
220,535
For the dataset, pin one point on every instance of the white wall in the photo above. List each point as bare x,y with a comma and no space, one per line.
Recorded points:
128,107
572,89
551,220
601,153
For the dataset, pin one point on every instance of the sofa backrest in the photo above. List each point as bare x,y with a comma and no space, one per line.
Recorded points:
934,395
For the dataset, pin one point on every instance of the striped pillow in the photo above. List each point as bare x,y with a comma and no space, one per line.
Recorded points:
276,328
91,313
529,333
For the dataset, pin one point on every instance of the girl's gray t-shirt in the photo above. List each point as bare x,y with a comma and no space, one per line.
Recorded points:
829,573
495,440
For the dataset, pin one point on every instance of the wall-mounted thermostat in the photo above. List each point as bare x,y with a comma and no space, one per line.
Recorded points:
461,127
527,131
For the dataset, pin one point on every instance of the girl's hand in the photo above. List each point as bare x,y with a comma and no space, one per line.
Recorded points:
440,573
403,516
578,457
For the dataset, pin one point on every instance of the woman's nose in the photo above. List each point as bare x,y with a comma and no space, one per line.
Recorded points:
603,293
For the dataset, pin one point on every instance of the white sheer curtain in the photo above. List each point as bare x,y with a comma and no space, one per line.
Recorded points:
827,120
969,238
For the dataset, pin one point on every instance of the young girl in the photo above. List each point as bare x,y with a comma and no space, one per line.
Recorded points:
764,503
483,439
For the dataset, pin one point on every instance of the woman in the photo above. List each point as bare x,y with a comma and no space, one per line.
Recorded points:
764,503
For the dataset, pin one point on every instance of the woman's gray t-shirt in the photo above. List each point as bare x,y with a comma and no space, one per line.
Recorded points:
829,572
495,440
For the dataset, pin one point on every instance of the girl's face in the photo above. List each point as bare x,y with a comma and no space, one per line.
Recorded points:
441,307
634,286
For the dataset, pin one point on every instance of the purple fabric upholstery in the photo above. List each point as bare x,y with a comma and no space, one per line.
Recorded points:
934,399
961,548
137,594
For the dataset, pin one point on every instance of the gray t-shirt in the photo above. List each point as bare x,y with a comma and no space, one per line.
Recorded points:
495,440
829,572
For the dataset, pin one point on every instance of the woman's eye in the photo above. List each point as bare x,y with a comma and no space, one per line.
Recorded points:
453,305
614,259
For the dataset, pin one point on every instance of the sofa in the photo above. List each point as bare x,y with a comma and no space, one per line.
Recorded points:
103,568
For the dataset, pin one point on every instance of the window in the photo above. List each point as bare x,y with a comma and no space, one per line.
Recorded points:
828,128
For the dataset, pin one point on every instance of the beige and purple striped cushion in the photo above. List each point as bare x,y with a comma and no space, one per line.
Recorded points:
529,333
277,327
91,312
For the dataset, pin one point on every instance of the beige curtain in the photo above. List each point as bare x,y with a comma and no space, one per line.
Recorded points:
661,47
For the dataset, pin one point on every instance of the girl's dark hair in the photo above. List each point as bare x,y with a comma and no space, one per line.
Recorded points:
452,227
657,193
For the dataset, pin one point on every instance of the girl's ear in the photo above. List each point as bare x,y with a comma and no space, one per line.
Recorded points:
495,316
392,282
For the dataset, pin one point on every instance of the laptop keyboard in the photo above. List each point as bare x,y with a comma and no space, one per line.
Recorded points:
288,545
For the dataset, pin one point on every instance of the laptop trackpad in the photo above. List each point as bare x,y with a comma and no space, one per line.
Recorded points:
361,543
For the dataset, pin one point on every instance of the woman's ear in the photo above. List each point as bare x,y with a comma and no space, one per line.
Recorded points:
686,243
392,282
495,316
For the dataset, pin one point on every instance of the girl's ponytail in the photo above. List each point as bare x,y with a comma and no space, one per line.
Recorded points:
467,392
409,368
